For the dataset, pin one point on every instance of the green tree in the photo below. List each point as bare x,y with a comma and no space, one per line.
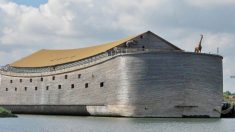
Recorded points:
227,93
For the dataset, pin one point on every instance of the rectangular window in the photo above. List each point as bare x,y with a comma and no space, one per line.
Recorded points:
79,75
53,78
15,89
66,76
72,85
36,88
86,85
6,89
41,79
47,88
59,86
20,80
102,84
25,88
11,81
30,79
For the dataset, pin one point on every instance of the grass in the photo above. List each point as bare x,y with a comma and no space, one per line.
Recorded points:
6,113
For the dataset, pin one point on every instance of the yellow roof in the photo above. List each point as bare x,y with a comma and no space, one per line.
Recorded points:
44,58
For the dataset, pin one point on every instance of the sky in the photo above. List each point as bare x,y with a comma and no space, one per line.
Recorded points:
34,3
27,26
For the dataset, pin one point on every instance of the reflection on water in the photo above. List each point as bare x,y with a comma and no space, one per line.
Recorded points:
38,123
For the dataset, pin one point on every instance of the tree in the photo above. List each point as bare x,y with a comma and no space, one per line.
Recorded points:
227,93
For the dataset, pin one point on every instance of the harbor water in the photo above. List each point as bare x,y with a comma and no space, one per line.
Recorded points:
41,123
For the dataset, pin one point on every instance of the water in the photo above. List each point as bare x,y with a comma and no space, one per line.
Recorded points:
38,123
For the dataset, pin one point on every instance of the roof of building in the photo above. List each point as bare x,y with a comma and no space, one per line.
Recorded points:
45,58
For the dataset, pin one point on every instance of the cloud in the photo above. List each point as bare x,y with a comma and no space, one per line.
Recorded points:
79,23
210,3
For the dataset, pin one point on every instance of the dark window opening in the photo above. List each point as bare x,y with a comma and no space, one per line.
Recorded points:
25,88
66,76
59,86
47,88
53,78
143,47
31,80
11,81
102,84
20,80
41,79
86,85
15,89
79,75
72,85
36,88
6,89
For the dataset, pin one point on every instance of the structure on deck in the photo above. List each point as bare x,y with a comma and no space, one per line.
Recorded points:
139,76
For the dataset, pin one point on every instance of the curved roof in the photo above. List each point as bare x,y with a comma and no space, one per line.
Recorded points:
45,58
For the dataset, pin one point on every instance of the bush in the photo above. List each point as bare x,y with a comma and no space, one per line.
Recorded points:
6,113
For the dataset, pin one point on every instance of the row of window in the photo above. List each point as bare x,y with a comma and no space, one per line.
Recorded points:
59,87
53,78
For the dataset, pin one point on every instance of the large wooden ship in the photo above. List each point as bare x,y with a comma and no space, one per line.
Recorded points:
138,76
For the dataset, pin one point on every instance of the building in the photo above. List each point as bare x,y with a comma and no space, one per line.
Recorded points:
139,76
